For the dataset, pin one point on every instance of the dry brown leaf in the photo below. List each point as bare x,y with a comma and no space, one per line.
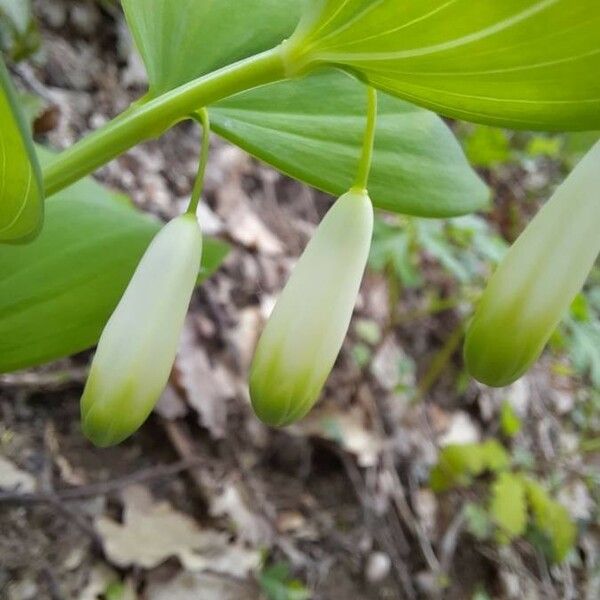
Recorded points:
14,479
462,430
245,336
385,366
249,525
170,406
348,429
152,532
189,586
246,228
100,578
207,387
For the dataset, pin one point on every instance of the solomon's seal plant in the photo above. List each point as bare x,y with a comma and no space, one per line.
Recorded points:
287,80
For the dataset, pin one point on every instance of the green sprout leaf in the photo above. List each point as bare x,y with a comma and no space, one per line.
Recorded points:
525,64
487,146
277,584
458,464
552,519
58,292
21,196
510,422
508,506
312,129
180,41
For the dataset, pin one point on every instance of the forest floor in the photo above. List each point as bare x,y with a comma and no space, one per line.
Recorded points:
205,502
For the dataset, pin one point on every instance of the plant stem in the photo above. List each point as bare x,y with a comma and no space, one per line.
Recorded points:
364,166
439,362
150,119
202,117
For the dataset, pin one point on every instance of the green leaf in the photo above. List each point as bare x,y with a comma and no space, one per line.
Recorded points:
57,293
495,456
528,64
584,348
276,584
458,464
180,41
510,423
578,144
552,519
21,196
312,129
393,248
543,145
18,12
508,506
478,521
487,146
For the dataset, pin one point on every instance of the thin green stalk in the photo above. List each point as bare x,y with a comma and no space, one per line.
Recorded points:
202,117
439,363
150,119
364,166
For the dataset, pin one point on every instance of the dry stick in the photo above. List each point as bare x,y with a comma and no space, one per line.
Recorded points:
401,505
450,540
405,511
103,488
50,381
403,575
184,446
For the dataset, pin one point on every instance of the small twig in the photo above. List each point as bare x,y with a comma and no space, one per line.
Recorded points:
450,541
185,448
382,533
405,511
440,362
104,488
50,381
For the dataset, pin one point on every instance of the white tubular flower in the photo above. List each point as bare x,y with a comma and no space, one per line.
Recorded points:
537,281
305,333
138,345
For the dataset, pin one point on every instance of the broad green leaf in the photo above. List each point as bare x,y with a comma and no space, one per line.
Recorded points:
57,293
552,519
180,41
530,64
312,129
21,196
508,506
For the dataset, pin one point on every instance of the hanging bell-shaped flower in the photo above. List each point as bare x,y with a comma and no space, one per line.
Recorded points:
305,333
538,279
138,346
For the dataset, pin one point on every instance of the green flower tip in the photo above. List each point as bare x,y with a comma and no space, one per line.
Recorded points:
535,284
138,345
305,333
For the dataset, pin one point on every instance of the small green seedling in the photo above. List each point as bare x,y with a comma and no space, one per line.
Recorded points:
295,83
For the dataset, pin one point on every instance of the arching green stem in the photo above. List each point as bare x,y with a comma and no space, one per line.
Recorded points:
202,117
146,120
364,166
